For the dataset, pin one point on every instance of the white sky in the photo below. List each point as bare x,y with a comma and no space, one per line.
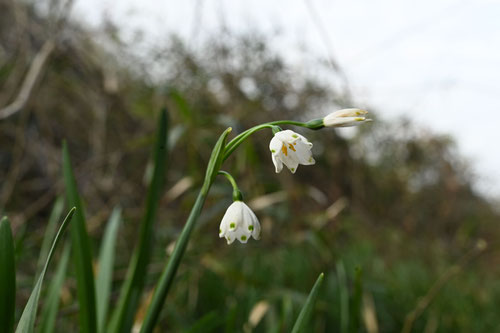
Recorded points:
436,61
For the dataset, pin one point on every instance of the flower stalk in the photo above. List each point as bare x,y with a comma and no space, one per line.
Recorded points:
170,269
240,222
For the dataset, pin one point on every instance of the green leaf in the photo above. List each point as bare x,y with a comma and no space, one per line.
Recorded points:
27,322
50,232
123,316
7,277
51,304
82,256
168,274
356,301
216,159
305,313
106,263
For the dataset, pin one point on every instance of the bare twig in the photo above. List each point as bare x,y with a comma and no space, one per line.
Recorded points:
29,81
425,301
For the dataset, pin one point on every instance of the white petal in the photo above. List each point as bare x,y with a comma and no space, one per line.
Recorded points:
256,231
287,136
275,145
304,140
254,225
232,218
278,165
291,163
304,153
346,121
352,112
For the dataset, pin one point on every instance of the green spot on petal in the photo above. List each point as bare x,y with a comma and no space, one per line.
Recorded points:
243,238
273,151
295,136
250,227
220,231
293,169
232,225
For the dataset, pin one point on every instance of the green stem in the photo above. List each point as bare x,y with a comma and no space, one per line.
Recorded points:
237,196
234,143
168,274
170,269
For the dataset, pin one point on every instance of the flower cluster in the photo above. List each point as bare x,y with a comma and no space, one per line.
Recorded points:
290,149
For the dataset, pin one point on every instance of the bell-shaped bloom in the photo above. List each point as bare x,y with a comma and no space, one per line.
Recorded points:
291,149
345,118
239,223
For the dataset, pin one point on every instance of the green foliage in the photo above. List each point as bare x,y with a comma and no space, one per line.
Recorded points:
7,277
82,255
50,232
134,283
27,321
106,265
170,269
305,313
51,306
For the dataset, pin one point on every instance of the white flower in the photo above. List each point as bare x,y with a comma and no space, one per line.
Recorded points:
345,118
291,149
240,223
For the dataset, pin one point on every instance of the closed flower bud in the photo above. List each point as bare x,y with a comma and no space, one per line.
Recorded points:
345,118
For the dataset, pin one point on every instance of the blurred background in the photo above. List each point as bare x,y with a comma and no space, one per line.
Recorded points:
409,200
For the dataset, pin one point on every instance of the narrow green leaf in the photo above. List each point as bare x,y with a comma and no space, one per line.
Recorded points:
123,316
344,297
216,160
82,256
7,277
305,313
27,322
51,304
106,263
168,274
50,232
356,301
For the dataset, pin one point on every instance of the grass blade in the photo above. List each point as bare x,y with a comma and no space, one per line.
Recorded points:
27,322
344,297
51,305
106,263
305,313
134,282
168,274
50,232
82,256
7,277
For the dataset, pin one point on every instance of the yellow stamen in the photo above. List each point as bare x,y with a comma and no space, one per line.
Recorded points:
291,147
284,150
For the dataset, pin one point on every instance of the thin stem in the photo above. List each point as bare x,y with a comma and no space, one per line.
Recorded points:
234,143
170,269
237,196
230,178
168,274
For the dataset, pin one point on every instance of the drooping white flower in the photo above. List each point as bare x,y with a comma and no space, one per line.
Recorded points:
291,149
239,222
345,118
